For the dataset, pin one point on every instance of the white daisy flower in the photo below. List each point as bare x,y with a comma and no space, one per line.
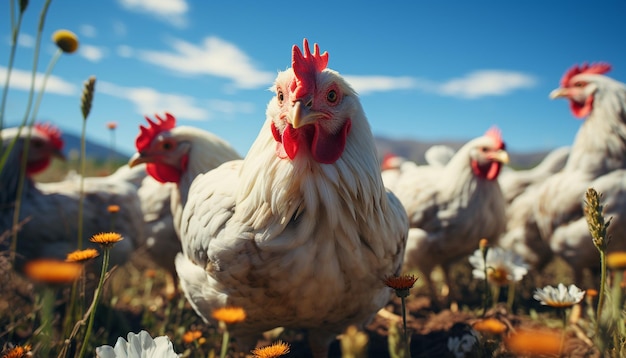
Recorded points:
139,345
503,266
559,297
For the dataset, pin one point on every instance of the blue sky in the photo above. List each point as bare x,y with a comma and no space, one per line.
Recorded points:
428,70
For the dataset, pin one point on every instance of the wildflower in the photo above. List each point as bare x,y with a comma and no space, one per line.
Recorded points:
591,292
191,336
139,345
503,266
82,255
490,325
111,125
483,244
106,239
113,209
561,297
229,315
52,271
66,40
401,284
616,260
18,352
534,342
275,350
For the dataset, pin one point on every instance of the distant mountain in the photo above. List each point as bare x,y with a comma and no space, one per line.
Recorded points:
414,150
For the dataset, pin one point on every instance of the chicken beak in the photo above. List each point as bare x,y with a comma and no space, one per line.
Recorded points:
137,159
301,116
558,93
501,156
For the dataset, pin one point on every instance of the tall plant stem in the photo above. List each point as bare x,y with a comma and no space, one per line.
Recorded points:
96,299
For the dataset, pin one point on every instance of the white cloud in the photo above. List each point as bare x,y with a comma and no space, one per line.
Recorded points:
486,83
92,53
87,31
148,101
172,11
21,80
124,51
26,40
369,84
214,57
229,107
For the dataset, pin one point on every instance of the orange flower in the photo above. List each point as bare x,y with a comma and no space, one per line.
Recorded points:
113,209
592,292
106,238
82,255
616,260
402,284
18,352
483,243
490,325
150,273
52,271
66,40
534,342
111,125
191,336
229,315
277,349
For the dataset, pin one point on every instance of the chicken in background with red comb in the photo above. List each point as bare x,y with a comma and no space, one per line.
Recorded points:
553,222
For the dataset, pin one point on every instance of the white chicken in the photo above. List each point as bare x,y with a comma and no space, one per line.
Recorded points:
597,160
452,206
301,233
173,157
52,208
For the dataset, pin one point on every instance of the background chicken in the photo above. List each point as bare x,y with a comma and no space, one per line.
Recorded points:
301,233
597,160
515,182
52,208
452,207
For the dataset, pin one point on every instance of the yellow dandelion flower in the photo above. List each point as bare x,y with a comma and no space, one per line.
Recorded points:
229,315
52,271
82,255
534,342
106,238
616,260
18,352
275,350
66,40
113,209
490,325
402,284
191,336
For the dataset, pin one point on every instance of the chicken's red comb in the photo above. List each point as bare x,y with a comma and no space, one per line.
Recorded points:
599,68
53,133
147,134
306,66
496,135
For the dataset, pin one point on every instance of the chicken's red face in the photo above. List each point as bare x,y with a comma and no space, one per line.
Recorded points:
165,156
310,119
576,87
45,143
488,155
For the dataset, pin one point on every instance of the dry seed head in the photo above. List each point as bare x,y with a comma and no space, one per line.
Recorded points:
87,97
595,219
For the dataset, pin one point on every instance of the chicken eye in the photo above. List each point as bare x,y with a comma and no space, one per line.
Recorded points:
280,96
168,145
332,96
580,84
